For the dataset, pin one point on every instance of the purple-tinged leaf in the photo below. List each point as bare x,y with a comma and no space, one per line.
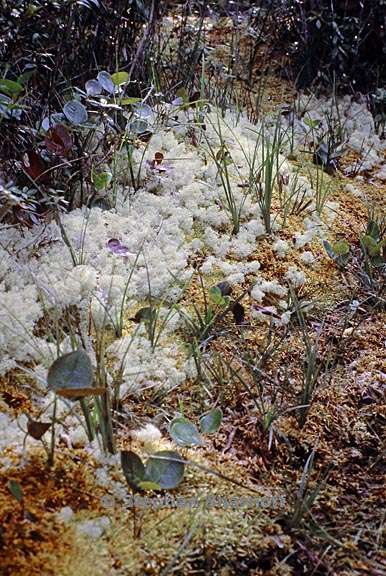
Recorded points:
117,248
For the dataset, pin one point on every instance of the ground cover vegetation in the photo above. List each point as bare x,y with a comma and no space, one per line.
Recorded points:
192,287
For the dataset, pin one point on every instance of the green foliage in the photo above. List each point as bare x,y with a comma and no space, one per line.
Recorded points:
339,252
71,376
314,363
101,180
200,321
269,172
211,421
120,78
133,469
16,490
373,244
305,496
184,432
345,39
164,470
10,87
224,162
265,390
54,48
217,298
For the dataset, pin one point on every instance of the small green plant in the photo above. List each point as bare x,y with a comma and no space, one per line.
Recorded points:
264,169
306,496
223,160
11,97
372,267
155,321
339,252
153,316
217,303
322,187
373,244
269,173
71,377
164,470
313,363
267,391
185,433
368,264
293,201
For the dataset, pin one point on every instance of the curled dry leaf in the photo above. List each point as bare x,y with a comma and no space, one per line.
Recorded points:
37,429
58,140
35,167
238,313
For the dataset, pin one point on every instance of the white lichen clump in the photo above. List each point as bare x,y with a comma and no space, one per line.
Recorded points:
148,435
295,277
307,258
281,248
176,213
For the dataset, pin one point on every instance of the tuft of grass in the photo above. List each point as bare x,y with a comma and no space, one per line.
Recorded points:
223,160
264,169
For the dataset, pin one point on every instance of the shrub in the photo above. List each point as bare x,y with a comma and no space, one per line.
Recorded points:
48,50
342,38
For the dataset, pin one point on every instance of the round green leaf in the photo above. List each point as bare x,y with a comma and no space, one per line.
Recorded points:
211,422
75,112
144,112
341,248
148,485
165,468
311,123
215,295
183,94
120,78
93,87
185,433
105,80
129,100
101,180
15,490
138,126
71,375
10,87
133,469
